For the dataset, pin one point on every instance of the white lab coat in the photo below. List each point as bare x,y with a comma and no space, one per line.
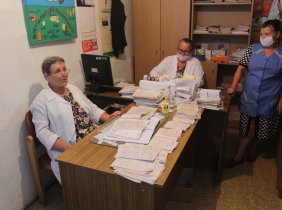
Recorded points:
53,117
169,66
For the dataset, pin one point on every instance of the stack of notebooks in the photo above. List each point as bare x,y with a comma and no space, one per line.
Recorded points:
209,99
148,98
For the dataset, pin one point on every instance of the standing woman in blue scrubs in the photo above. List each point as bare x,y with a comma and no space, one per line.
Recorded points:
261,100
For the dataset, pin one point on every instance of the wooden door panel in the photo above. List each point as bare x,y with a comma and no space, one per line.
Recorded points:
146,29
175,24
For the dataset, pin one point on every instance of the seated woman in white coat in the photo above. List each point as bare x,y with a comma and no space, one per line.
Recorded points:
181,64
62,115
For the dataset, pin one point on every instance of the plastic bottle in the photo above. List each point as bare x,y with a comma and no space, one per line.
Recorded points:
165,108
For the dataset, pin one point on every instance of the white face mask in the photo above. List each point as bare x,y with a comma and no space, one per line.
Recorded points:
267,41
183,58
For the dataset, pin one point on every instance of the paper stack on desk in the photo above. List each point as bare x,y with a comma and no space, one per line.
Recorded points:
188,110
136,126
139,163
147,97
209,99
127,91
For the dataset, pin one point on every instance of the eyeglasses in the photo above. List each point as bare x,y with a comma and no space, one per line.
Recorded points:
60,71
183,52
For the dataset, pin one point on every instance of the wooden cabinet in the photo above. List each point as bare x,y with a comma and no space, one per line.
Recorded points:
158,26
210,74
224,14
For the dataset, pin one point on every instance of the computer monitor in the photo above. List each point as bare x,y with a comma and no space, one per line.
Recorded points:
97,71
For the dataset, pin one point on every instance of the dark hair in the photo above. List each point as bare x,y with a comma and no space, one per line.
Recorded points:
275,24
48,62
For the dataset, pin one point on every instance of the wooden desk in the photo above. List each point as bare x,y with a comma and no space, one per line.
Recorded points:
104,99
214,123
88,181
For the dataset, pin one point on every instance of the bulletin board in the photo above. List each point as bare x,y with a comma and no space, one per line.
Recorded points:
49,20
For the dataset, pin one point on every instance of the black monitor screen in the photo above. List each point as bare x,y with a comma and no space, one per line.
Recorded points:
97,69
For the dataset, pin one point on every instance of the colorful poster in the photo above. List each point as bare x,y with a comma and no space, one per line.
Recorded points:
105,26
49,20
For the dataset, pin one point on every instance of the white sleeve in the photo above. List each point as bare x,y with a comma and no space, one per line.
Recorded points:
94,111
41,123
160,69
198,72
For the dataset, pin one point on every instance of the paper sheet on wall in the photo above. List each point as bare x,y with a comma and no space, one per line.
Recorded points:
87,28
105,26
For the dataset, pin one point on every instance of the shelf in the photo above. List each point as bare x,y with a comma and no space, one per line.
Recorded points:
222,3
219,34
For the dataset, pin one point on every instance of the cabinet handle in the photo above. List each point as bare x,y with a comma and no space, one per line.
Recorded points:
163,51
156,51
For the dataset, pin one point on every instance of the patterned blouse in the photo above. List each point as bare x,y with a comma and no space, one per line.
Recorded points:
244,61
83,124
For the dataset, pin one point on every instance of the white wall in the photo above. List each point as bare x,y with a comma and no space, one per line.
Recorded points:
21,79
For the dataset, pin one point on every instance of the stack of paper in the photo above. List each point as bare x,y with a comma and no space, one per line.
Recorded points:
214,29
139,163
188,110
209,99
147,97
241,29
140,112
136,126
225,30
165,143
201,29
127,91
132,130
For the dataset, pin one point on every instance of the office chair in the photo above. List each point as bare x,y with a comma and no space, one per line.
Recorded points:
37,162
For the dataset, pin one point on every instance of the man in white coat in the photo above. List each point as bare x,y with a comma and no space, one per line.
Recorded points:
181,64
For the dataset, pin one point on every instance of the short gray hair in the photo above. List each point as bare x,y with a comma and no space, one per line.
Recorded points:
48,62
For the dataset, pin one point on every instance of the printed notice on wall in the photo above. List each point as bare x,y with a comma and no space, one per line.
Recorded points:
105,26
49,20
87,28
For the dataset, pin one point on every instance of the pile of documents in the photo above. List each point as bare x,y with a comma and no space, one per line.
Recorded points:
139,163
136,126
241,30
214,29
128,90
225,30
209,99
147,97
201,29
188,110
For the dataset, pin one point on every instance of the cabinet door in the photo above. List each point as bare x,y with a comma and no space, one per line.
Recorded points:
175,24
210,74
146,29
